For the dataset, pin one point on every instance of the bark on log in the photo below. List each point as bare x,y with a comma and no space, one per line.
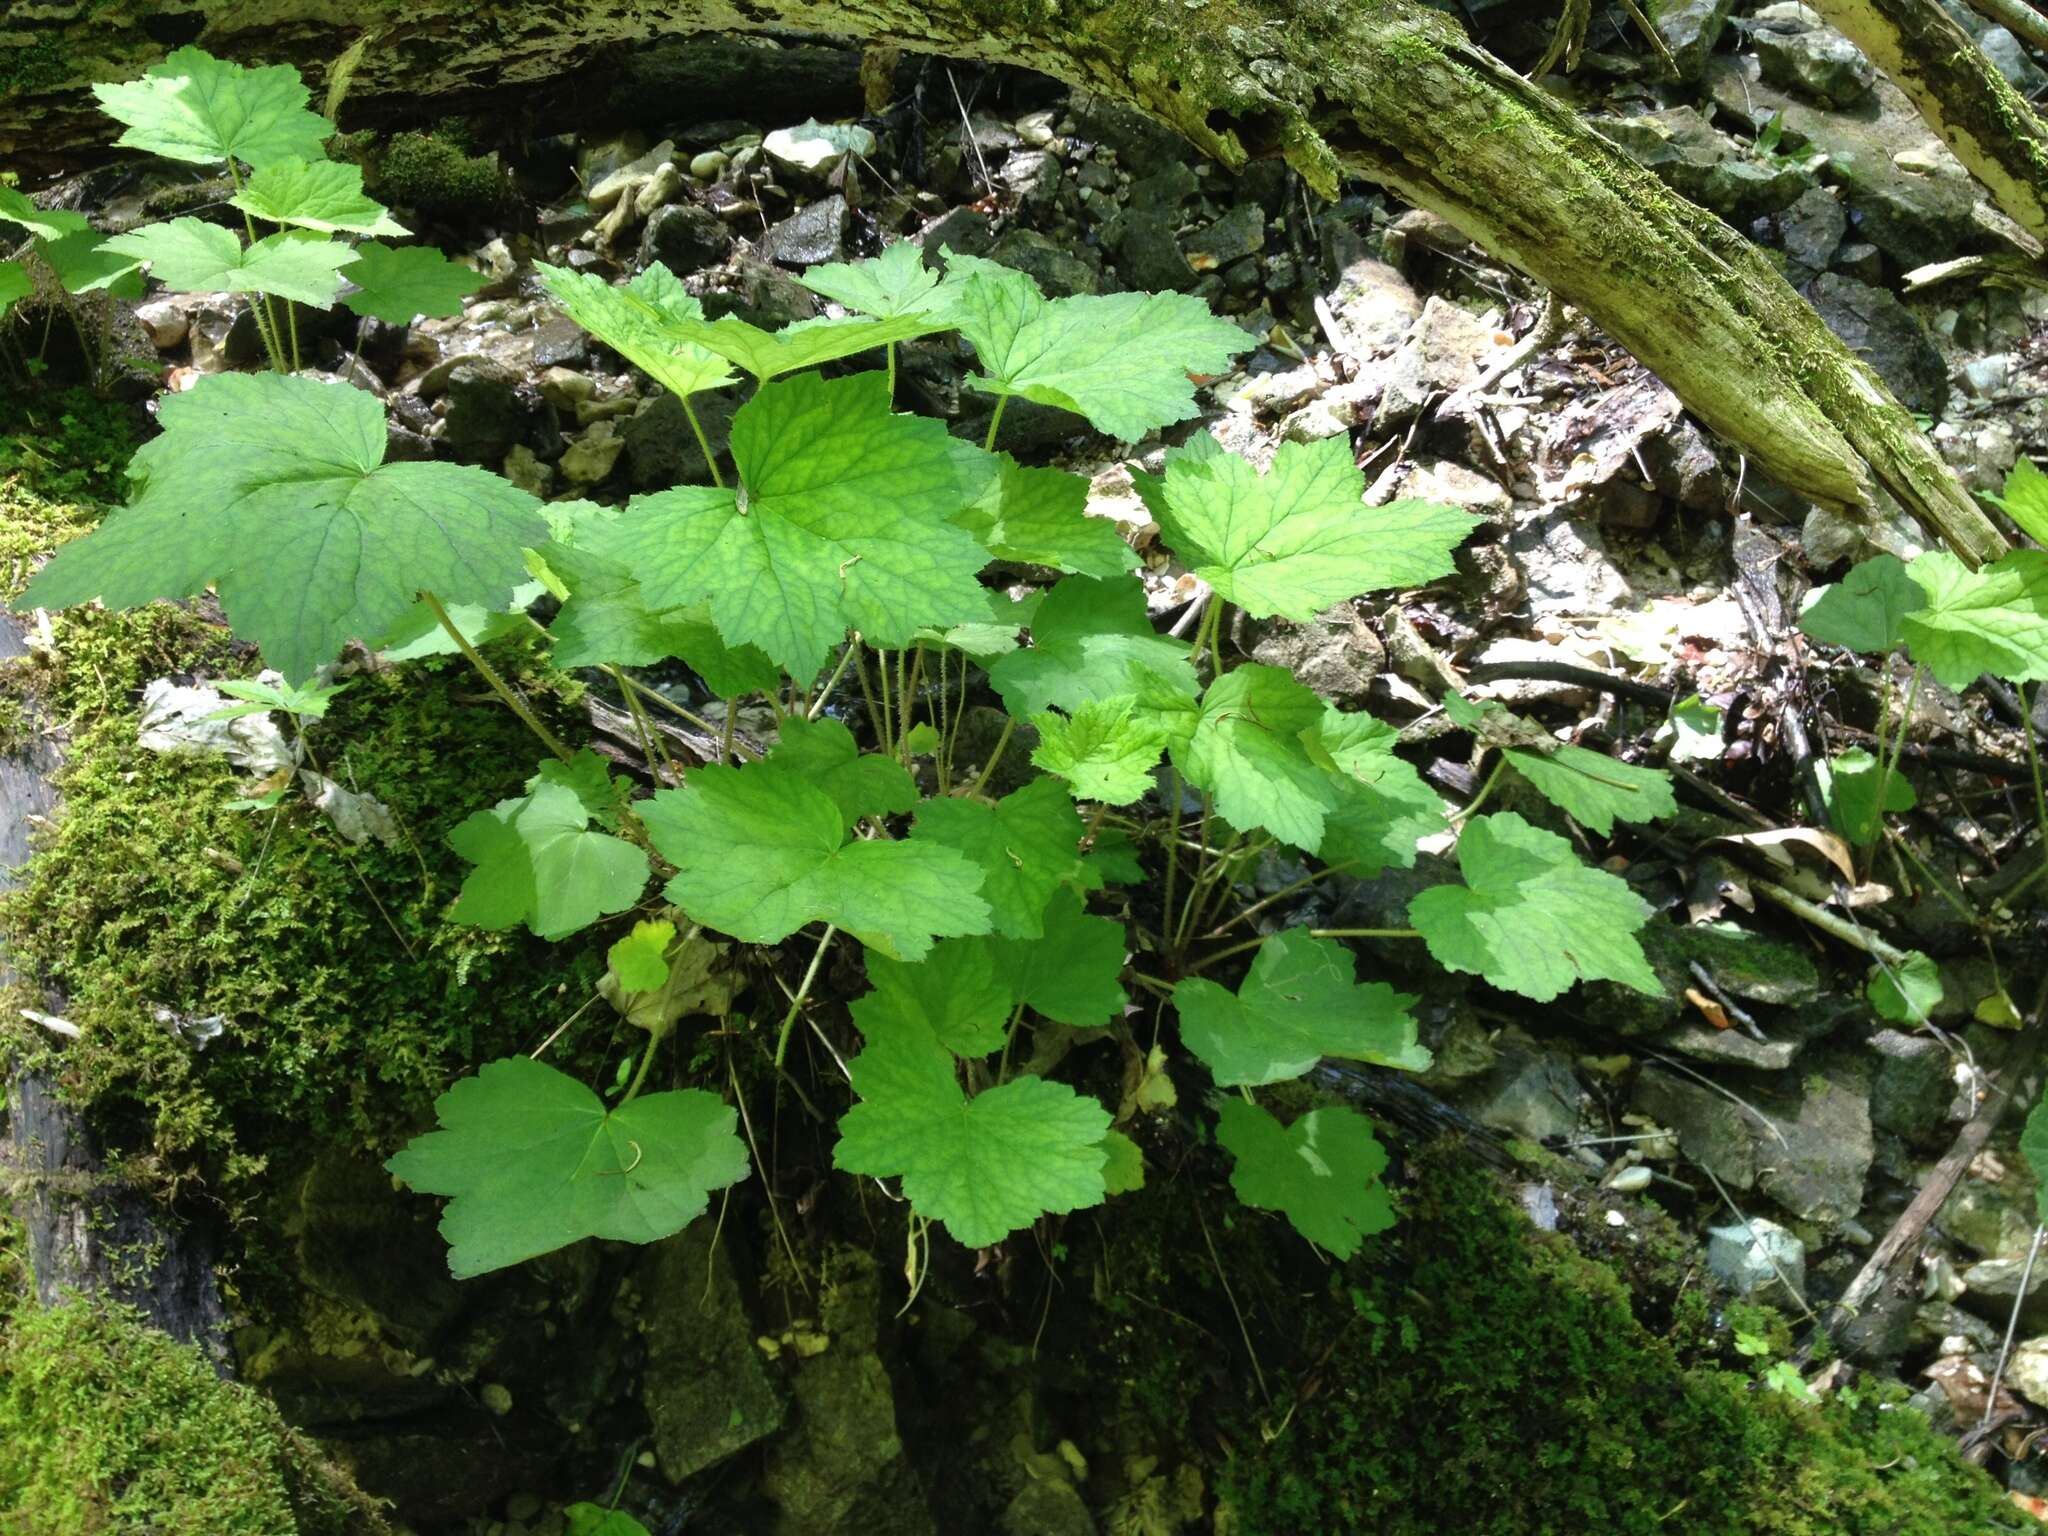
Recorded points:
1962,95
1385,89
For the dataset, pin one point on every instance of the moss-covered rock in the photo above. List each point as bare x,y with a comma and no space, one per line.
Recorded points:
435,175
109,1426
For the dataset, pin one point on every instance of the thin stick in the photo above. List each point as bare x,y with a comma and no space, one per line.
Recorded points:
2012,1326
517,705
1236,1311
767,1184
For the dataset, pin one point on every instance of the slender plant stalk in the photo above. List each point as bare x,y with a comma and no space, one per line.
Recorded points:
886,739
988,444
703,442
1471,806
860,667
1321,933
652,746
803,990
817,708
640,1073
994,757
889,353
498,685
1890,765
1166,908
2034,763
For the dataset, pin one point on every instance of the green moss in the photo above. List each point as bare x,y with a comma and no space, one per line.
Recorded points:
429,174
107,1425
1498,1383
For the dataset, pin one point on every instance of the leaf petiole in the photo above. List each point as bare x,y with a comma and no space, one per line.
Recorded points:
498,685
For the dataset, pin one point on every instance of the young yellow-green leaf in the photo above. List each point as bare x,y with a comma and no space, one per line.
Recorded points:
1027,845
271,489
1122,360
1322,1173
202,110
83,264
1990,620
395,283
1906,993
1294,540
259,697
1085,637
14,285
1071,974
2024,500
419,633
326,195
43,223
538,863
640,959
1693,732
1530,917
1594,789
1106,752
824,754
1866,610
1300,1003
1038,517
1849,785
840,521
759,853
2034,1147
535,1163
647,321
953,996
192,256
1123,1168
983,1167
897,282
588,1519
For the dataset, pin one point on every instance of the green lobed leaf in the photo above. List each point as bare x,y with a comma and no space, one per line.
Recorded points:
640,959
1072,974
1122,360
83,264
1530,917
1866,610
2034,1148
1298,538
1085,637
594,1519
1905,993
649,321
1300,1003
324,195
840,521
1038,517
759,852
2024,498
1322,1173
1692,734
203,110
953,997
824,753
538,863
1594,789
533,1163
983,1167
1027,845
271,489
1123,1167
396,284
1849,784
1105,752
897,282
14,285
43,223
589,778
192,256
1990,620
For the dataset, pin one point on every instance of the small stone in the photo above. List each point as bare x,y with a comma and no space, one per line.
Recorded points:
2027,1372
589,460
1750,1258
707,165
1374,306
1239,233
1532,1092
1335,653
485,414
166,320
561,343
1819,63
1035,128
1057,269
565,388
1993,1285
524,469
1887,335
496,1397
1149,257
812,234
812,146
685,238
1443,353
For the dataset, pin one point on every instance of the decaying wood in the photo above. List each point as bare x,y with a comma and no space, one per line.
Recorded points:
1389,90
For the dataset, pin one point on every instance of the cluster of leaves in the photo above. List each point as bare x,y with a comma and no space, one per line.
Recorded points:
853,535
255,125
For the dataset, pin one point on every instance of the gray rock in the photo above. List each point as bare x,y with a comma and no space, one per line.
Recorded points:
1819,63
812,234
1239,233
708,1390
1936,1323
1048,1507
1913,219
165,320
2012,60
1060,271
1994,1284
361,1243
965,230
1164,191
486,414
1812,228
662,451
1032,177
1335,653
1566,568
561,343
1758,1258
759,292
1702,163
1994,1221
1860,260
1442,353
1142,146
1810,1154
1532,1092
685,238
1690,29
841,1469
1374,306
589,459
1915,1086
2027,1372
1887,335
1149,257
224,336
